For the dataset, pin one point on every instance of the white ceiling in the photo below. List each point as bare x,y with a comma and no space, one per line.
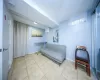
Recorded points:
25,20
23,12
48,13
60,10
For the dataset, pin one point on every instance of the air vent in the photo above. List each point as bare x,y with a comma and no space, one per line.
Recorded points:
47,30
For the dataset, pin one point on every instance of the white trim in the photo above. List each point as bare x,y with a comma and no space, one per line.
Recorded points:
32,52
70,60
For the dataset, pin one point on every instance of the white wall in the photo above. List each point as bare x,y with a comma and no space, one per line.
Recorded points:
73,35
31,46
1,25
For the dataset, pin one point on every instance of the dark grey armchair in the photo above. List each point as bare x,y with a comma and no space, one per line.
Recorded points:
82,57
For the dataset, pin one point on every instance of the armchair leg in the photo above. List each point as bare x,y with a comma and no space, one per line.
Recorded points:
88,69
75,64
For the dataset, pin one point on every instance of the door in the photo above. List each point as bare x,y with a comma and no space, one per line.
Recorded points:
93,39
5,45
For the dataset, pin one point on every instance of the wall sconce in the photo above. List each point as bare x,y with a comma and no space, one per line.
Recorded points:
78,21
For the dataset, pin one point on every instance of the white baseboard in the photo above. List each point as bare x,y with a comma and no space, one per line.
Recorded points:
70,60
10,72
32,52
29,53
10,64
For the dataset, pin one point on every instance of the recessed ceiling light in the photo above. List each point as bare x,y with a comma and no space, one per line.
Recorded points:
35,22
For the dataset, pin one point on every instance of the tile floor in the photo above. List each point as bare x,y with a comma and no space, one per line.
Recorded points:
38,67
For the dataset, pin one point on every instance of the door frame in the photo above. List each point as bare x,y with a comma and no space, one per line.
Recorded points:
94,26
95,38
1,32
10,42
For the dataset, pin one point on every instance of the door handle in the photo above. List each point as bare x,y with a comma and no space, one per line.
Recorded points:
4,49
0,50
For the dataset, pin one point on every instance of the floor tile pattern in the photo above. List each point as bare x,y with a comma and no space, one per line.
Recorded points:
38,67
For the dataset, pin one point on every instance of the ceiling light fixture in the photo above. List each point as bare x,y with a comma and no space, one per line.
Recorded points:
35,22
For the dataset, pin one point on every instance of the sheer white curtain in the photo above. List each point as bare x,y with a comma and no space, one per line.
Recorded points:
20,39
